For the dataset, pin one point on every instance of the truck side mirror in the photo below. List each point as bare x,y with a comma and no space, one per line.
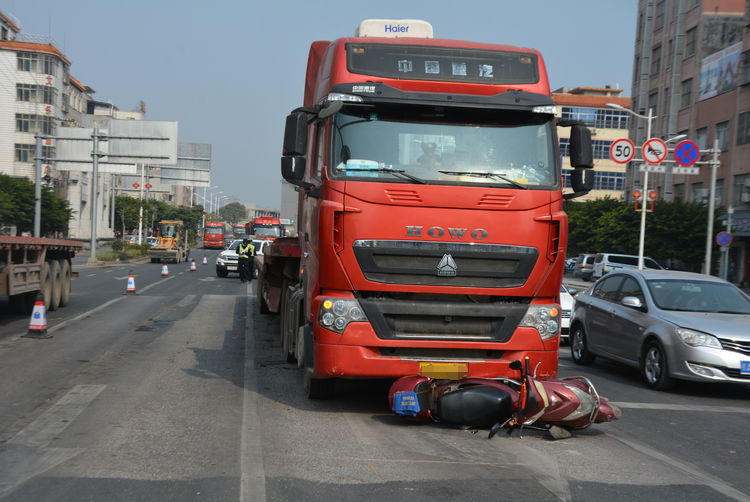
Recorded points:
581,151
582,179
293,168
295,134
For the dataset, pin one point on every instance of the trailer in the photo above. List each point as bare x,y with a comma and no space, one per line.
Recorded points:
30,264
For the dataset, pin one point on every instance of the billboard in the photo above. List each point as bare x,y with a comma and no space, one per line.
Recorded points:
720,72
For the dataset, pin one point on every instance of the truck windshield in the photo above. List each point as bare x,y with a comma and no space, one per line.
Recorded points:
444,146
167,230
213,231
268,231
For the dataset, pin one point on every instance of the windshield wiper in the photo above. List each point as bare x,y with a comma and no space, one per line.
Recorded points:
388,170
480,174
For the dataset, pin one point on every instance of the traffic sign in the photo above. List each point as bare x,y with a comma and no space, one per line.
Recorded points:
652,169
622,151
687,153
686,170
654,151
724,238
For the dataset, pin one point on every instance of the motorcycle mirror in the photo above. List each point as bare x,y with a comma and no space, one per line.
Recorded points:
516,365
495,429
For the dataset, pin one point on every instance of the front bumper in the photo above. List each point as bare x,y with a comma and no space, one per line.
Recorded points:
229,266
723,365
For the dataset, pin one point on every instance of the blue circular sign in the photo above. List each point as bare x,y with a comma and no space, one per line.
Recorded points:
687,153
724,238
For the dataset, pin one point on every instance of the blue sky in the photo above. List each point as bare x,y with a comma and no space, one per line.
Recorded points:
230,71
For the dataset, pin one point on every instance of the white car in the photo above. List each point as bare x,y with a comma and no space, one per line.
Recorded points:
226,262
567,306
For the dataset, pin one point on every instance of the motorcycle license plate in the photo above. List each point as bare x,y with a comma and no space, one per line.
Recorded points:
231,268
745,368
443,371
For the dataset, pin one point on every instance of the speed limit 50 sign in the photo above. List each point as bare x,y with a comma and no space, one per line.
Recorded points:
622,151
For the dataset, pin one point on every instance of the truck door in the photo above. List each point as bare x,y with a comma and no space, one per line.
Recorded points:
310,210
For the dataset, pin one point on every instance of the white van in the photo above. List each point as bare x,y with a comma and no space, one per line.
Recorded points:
605,263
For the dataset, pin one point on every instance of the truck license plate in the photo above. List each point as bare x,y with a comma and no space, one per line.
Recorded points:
745,368
443,371
231,268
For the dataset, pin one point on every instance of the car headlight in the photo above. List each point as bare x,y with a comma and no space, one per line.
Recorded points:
698,339
222,256
335,314
545,318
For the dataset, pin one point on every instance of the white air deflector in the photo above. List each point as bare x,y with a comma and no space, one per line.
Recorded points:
394,28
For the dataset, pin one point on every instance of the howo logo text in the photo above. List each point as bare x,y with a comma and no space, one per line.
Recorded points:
455,233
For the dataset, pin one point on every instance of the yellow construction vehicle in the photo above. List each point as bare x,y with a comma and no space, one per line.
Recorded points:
172,243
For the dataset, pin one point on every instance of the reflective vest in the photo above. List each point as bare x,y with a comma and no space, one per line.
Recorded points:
246,251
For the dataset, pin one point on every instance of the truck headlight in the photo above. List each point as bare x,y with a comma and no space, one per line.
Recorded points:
698,339
545,318
335,314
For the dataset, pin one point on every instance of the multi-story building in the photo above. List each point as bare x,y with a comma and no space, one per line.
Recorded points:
38,95
691,68
607,125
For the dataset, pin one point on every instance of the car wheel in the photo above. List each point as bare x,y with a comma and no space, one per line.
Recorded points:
655,369
579,349
221,273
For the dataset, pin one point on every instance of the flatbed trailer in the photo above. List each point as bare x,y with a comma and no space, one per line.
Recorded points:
30,264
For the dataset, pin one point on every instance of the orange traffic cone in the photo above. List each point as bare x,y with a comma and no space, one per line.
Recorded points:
164,270
192,266
38,324
205,261
131,285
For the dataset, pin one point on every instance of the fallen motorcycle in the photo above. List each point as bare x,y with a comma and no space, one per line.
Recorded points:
557,405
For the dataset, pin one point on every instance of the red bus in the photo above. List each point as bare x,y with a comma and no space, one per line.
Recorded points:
213,235
264,226
431,231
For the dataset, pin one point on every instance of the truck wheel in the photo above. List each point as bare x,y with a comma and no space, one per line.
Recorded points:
317,388
65,275
46,284
283,311
56,277
221,273
262,305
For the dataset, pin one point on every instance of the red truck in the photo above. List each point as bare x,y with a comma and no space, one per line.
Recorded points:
213,235
29,265
432,234
267,227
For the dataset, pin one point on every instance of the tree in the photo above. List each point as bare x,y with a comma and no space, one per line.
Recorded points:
17,201
233,212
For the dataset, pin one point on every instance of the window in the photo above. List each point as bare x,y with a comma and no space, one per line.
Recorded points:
321,150
36,94
631,288
661,9
743,129
601,119
719,195
739,189
687,90
722,134
656,60
701,138
26,153
37,63
601,148
679,192
4,33
602,180
666,103
653,103
35,123
690,37
746,67
607,289
698,194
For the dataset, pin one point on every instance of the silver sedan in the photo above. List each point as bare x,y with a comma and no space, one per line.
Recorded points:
671,325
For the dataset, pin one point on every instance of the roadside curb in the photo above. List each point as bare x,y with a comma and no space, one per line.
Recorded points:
115,263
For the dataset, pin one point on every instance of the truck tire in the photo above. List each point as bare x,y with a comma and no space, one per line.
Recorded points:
45,281
56,277
65,275
317,388
262,305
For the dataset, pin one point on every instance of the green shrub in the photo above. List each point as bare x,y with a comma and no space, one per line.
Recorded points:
108,256
131,254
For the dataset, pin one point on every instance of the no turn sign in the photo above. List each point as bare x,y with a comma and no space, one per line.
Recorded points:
654,151
622,151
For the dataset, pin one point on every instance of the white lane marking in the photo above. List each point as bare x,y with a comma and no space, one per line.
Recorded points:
91,275
682,407
52,422
253,480
24,456
186,301
688,471
107,271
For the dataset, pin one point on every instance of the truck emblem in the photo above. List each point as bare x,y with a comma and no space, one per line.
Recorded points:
447,267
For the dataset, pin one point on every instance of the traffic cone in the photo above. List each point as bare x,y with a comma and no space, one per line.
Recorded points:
205,261
192,266
131,285
164,270
38,324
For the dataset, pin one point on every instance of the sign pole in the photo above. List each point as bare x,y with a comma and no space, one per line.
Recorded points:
730,212
38,187
714,166
643,201
94,176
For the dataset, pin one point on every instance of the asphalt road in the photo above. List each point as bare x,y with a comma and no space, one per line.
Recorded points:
182,393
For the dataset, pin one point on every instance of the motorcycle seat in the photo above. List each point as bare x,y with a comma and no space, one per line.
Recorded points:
477,405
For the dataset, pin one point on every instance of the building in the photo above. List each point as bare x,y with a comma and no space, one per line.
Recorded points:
691,68
38,95
607,124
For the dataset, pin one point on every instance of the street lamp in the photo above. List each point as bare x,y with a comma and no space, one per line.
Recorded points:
648,117
215,201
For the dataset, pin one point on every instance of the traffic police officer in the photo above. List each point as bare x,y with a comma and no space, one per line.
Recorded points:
245,260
